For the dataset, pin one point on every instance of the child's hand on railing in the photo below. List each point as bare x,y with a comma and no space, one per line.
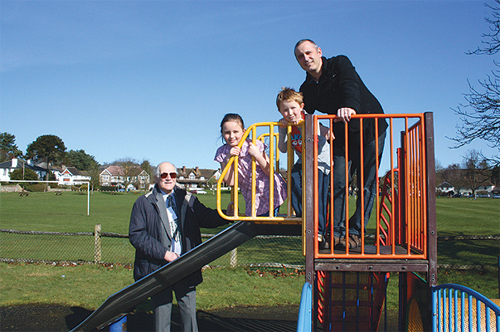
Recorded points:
283,122
235,151
253,150
230,209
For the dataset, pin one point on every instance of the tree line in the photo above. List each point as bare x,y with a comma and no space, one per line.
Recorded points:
474,172
51,150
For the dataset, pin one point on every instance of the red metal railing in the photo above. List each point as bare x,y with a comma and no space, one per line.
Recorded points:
400,214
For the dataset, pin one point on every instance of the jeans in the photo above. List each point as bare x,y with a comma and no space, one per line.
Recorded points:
323,183
276,212
369,185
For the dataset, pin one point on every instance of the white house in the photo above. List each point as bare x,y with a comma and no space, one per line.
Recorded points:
445,188
118,176
8,167
193,178
70,176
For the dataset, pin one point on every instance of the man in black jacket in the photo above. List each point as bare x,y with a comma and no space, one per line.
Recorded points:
164,224
333,86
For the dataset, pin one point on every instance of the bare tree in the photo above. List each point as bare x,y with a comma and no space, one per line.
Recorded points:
480,115
476,171
131,171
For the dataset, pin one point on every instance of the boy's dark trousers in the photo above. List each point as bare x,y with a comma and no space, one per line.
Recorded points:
323,183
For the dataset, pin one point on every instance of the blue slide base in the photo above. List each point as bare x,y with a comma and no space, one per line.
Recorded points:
304,323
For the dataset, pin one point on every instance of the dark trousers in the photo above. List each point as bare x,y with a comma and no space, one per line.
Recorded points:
369,184
323,183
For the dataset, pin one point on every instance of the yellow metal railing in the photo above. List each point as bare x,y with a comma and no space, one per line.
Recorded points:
274,157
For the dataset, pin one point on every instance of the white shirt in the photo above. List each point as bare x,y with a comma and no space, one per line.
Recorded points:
176,245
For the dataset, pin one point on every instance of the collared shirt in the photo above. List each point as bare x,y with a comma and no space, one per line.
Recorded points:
172,217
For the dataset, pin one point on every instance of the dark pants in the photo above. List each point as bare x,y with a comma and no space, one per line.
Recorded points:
323,183
369,186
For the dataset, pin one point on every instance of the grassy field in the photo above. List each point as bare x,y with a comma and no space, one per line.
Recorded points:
88,285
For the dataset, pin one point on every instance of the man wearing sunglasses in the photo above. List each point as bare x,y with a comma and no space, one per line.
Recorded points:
165,223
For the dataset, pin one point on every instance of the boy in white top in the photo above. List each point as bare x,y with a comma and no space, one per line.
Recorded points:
291,106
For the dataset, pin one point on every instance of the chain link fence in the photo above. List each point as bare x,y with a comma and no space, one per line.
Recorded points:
100,247
454,252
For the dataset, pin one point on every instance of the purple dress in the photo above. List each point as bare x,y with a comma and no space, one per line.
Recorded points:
261,183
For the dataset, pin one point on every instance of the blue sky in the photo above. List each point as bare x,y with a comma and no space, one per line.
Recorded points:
153,79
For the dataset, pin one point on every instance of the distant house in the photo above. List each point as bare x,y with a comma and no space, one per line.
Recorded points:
121,177
194,178
8,167
445,188
70,176
54,170
485,188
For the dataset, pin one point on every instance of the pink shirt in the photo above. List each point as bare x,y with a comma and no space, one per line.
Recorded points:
261,183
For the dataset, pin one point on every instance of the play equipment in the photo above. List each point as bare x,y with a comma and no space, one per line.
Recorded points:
458,308
345,288
348,286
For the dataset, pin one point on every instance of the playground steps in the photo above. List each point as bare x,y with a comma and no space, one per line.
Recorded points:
355,302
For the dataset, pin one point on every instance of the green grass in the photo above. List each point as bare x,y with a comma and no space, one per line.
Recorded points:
465,216
88,285
68,212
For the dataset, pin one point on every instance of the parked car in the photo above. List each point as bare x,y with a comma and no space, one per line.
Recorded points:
197,191
457,195
484,196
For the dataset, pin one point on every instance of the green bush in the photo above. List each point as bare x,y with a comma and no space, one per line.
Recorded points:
35,187
28,174
107,188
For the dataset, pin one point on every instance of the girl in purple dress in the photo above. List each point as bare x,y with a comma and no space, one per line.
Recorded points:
232,129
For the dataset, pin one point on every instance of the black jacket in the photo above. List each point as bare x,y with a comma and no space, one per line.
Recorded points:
340,86
146,230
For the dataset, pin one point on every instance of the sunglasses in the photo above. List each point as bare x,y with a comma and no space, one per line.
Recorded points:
173,175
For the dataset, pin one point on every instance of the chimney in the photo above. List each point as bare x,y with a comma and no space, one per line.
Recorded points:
183,169
196,170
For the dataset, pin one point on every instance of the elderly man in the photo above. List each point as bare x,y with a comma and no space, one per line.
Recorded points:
333,86
165,223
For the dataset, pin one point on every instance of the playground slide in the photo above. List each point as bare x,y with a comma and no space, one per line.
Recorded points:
304,323
127,298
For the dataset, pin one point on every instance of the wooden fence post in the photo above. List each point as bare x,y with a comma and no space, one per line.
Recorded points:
234,257
97,244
